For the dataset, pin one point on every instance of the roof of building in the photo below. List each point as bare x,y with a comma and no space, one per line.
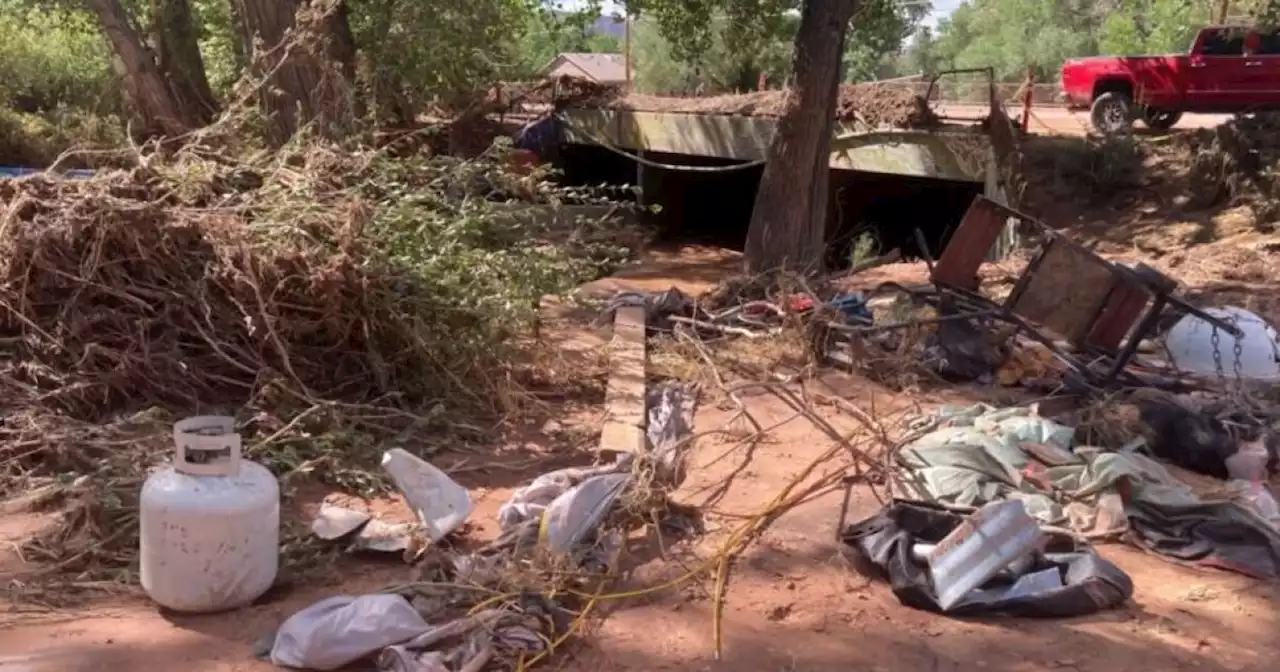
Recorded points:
596,66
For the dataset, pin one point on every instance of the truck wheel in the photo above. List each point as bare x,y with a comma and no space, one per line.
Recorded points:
1160,120
1112,113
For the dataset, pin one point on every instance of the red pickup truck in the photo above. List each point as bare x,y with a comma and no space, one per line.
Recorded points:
1230,69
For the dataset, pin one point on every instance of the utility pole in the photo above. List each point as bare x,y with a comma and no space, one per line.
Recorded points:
626,43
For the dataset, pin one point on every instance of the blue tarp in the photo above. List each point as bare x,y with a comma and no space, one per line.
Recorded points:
15,171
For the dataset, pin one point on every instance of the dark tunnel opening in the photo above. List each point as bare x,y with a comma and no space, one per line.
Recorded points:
868,213
592,166
874,213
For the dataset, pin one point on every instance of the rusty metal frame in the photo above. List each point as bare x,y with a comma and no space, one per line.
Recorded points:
989,71
973,305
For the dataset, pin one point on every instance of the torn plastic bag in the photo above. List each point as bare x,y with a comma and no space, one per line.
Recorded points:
401,659
1069,579
669,422
659,307
340,630
576,514
441,504
531,501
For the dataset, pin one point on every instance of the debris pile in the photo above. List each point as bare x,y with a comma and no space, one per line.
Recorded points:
329,297
981,454
1235,160
515,599
874,105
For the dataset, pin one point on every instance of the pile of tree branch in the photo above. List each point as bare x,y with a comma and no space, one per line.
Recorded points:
330,300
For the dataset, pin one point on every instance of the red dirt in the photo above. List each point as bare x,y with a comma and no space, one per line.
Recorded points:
792,603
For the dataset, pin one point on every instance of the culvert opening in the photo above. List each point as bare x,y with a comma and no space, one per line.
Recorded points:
873,213
868,214
592,166
697,207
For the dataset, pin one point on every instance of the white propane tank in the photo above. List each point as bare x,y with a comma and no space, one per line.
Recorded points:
210,522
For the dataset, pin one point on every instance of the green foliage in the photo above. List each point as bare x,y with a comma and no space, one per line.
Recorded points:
876,36
224,56
725,44
921,54
726,65
443,47
53,57
1152,27
37,140
1012,35
549,33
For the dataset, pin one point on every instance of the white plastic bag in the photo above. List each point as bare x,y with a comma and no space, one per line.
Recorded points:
441,504
340,630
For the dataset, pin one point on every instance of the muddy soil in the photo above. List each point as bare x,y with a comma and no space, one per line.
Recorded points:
793,602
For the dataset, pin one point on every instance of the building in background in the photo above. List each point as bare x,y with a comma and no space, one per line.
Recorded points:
600,68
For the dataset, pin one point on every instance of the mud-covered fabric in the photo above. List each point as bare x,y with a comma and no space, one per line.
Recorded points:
1088,583
980,454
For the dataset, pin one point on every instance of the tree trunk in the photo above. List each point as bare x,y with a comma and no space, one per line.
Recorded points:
307,79
148,88
788,223
178,48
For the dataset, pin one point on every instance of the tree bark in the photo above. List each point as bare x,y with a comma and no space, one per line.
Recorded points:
148,88
307,81
788,222
178,51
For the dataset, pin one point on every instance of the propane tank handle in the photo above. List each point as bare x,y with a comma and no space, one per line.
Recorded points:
207,445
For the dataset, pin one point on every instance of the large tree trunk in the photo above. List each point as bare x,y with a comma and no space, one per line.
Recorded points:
148,88
178,49
788,223
307,81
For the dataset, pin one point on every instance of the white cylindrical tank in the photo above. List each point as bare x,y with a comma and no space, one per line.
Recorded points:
210,522
1190,344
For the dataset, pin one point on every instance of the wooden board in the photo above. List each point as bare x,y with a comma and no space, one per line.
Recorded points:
624,398
1065,291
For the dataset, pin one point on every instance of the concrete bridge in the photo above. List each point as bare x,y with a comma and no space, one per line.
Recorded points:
703,170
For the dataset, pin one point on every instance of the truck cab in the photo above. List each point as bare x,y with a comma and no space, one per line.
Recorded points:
1228,70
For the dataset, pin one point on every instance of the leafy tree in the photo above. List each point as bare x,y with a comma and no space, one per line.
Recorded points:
738,39
1012,35
879,28
727,64
549,32
921,55
1152,27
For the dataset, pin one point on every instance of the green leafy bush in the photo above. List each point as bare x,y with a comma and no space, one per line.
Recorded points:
50,58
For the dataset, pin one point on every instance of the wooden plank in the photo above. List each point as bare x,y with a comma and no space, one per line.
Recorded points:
970,244
624,398
1066,290
1124,307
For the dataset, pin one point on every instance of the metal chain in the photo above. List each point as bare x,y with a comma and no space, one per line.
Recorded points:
1241,393
1216,340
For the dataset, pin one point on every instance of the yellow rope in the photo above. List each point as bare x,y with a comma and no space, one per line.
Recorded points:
728,551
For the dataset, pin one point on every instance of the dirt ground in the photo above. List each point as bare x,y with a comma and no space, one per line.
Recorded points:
793,602
1058,120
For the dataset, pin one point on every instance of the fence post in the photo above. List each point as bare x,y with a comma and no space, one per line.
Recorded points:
1026,98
